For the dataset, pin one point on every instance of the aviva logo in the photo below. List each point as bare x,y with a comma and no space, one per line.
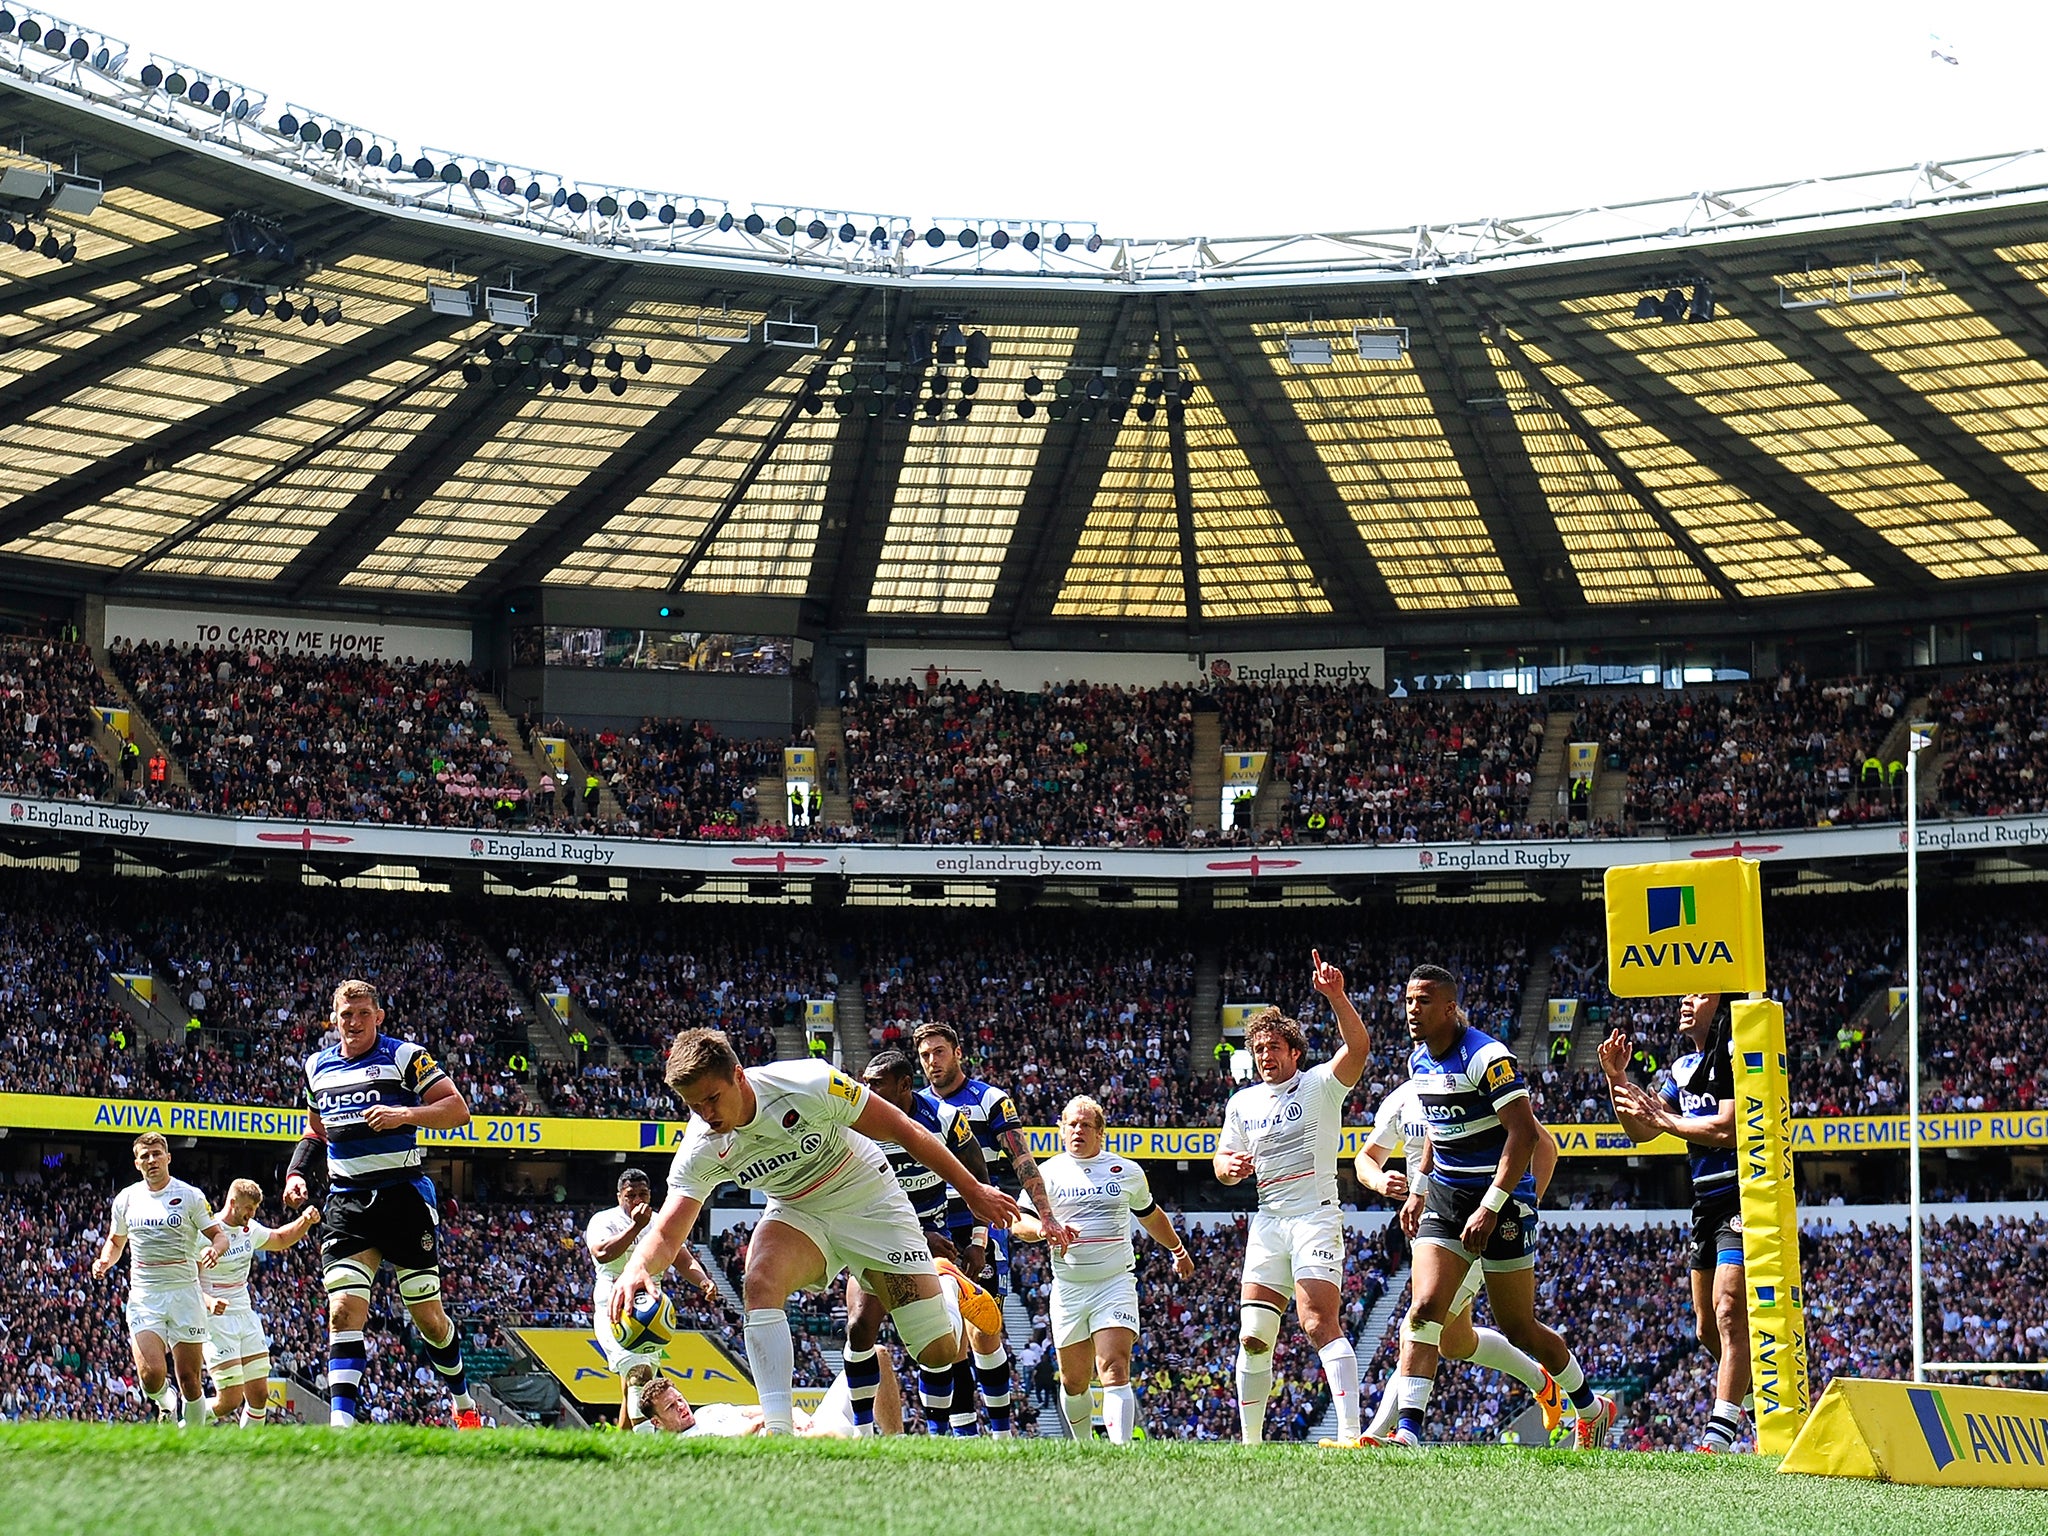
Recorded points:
660,1134
1993,1439
1671,906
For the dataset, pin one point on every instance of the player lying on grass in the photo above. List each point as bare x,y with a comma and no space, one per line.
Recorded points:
1094,1289
800,1132
661,1408
1400,1129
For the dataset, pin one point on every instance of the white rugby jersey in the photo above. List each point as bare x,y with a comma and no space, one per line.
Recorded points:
229,1277
166,1232
604,1226
800,1145
1292,1130
1400,1126
1097,1197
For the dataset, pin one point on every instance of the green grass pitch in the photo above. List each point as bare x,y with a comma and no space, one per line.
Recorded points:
140,1481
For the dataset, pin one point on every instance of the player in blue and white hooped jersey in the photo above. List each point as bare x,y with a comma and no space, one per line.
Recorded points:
174,1238
1284,1130
1698,1106
1477,1204
367,1099
1390,1165
1094,1283
992,1115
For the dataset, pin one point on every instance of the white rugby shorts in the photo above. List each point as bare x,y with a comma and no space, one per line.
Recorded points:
234,1335
175,1316
1083,1308
1282,1251
885,1237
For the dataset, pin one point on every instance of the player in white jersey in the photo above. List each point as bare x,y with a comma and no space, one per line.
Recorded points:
1285,1130
175,1236
798,1132
237,1349
1095,1194
1400,1130
610,1238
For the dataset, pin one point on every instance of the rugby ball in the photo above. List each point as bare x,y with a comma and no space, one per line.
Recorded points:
648,1324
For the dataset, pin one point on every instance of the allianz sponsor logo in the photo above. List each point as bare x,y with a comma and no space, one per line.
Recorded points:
79,818
541,850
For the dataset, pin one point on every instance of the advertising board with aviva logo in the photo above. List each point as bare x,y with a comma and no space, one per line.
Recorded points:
1679,928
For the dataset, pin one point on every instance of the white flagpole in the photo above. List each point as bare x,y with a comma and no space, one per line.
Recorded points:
1916,740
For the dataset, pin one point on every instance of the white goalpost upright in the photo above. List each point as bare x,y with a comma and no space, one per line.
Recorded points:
1919,737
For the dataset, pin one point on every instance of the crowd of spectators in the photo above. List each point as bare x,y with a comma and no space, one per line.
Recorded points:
681,778
1365,768
1074,763
1049,1005
49,698
1994,736
324,738
1984,990
1791,753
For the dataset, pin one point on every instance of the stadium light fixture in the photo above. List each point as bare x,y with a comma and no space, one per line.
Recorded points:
1702,309
1375,343
1646,307
1672,308
76,196
1310,351
978,349
445,300
511,307
27,183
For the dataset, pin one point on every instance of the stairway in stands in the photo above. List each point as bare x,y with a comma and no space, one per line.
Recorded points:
1205,781
850,1023
1548,783
830,736
139,727
506,730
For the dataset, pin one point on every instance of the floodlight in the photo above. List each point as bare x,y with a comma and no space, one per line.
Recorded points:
472,372
755,224
636,209
68,251
696,219
935,237
644,363
967,239
1033,384
1030,240
284,306
1702,308
618,386
1376,344
667,213
1310,351
815,230
1094,244
607,207
29,183
999,239
578,203
1027,409
785,226
1646,307
76,195
49,245
511,306
977,348
970,385
588,383
848,234
445,300
962,409
615,360
1673,307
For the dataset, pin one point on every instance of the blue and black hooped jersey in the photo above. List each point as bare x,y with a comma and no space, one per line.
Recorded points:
988,1111
1701,1081
937,1206
341,1089
1461,1094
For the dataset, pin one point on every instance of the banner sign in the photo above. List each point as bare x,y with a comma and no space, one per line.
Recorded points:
140,984
1243,769
1942,1437
820,1014
1771,1275
1026,671
1677,928
115,718
287,634
700,1367
1222,865
1234,1015
800,763
554,751
1582,757
1563,1013
1835,1135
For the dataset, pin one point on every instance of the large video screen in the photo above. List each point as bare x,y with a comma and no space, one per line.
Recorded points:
654,650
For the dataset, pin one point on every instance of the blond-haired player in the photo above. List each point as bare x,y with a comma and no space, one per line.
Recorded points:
175,1236
237,1349
1095,1194
1285,1130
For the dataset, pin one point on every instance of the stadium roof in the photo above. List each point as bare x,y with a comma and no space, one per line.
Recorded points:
1820,402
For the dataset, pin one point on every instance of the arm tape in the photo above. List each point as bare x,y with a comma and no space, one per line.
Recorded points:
304,1154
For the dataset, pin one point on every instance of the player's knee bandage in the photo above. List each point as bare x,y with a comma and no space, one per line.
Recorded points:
257,1369
1258,1322
225,1376
920,1324
347,1277
1423,1333
419,1285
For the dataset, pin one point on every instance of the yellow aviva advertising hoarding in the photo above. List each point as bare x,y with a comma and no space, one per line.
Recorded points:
1691,926
546,1133
1942,1437
699,1366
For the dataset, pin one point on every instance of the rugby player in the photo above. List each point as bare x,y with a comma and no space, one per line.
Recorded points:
1698,1106
367,1099
1475,1202
1284,1130
237,1349
1401,1130
799,1132
948,1400
610,1236
1094,1287
177,1238
993,1117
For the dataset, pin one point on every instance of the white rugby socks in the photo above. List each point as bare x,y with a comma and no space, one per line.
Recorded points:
194,1414
771,1356
1493,1352
1119,1413
1254,1386
1340,1365
1080,1411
